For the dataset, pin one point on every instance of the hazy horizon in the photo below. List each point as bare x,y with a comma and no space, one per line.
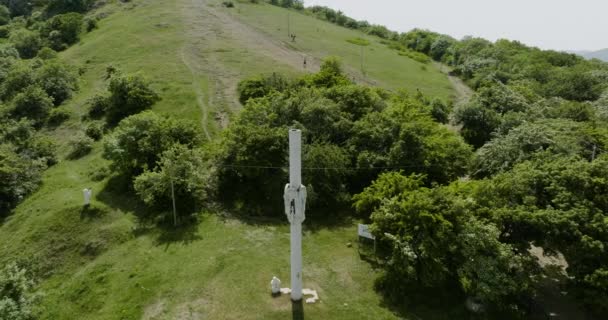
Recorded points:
547,24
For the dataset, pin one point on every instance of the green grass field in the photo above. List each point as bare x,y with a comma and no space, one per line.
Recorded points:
101,264
384,66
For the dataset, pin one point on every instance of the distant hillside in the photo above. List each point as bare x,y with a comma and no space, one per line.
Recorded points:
600,54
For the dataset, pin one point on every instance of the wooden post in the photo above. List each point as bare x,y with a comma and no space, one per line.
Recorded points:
173,197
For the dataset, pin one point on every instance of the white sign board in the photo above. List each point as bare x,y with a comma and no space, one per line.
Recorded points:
364,232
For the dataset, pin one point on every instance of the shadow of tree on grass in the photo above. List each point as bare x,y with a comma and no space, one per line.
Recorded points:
119,194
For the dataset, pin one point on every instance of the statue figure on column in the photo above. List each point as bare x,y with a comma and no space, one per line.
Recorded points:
295,203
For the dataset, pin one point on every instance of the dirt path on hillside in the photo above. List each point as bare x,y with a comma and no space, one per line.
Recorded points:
204,31
208,28
463,92
196,84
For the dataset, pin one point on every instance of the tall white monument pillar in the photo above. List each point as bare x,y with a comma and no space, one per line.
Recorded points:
295,205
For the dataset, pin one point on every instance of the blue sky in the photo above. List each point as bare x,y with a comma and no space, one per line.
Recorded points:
548,24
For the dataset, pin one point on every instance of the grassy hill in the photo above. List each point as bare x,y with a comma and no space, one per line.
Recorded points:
102,264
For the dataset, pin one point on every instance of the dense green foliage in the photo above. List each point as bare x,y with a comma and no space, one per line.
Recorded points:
31,91
139,140
16,298
60,6
63,30
32,103
158,154
181,172
445,217
351,133
26,42
128,95
537,120
19,177
436,240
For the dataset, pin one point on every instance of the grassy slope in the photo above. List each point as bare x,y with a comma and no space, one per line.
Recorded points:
319,39
97,266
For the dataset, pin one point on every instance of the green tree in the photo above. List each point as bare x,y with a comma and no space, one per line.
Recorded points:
559,204
129,95
19,177
561,137
436,239
19,77
60,6
26,42
439,47
58,81
491,271
182,180
16,294
63,30
405,136
18,7
330,74
25,141
138,141
478,123
5,15
32,103
327,175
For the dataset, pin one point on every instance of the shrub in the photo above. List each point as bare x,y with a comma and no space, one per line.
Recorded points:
181,170
80,146
5,32
32,103
58,81
63,30
58,115
18,78
440,111
228,4
416,56
251,89
26,42
8,51
59,6
19,176
90,24
358,41
129,95
47,53
139,140
110,71
5,15
94,130
16,298
98,106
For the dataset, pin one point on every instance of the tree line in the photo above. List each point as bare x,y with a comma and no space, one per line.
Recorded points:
34,84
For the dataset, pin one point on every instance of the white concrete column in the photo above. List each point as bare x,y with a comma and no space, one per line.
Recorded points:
296,261
295,206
